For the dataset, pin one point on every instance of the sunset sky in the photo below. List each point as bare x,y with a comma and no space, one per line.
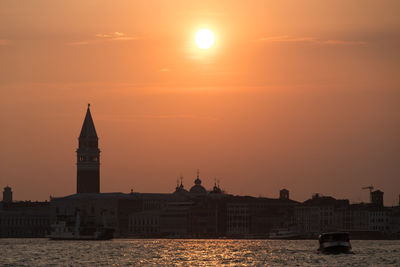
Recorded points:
303,95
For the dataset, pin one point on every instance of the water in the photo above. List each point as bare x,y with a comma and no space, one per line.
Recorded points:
166,252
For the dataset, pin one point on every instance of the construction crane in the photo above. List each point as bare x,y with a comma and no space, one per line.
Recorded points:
369,187
370,190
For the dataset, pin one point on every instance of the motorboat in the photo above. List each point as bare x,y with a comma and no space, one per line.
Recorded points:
284,233
62,231
334,242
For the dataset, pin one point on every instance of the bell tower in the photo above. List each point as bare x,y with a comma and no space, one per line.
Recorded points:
88,158
7,194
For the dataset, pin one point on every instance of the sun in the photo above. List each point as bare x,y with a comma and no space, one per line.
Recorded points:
204,38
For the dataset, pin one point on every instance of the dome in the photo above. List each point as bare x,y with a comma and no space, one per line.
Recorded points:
198,188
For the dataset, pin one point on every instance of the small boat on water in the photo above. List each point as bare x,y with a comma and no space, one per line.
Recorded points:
61,231
334,242
284,233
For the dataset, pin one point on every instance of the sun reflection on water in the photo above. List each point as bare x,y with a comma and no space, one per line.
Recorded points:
164,252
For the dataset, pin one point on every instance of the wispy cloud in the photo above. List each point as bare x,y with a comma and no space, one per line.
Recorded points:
178,116
165,70
310,40
343,42
285,38
117,36
134,118
107,37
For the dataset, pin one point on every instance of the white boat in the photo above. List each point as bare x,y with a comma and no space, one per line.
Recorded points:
284,233
61,231
334,242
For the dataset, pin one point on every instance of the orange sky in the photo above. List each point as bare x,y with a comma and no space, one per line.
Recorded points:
296,94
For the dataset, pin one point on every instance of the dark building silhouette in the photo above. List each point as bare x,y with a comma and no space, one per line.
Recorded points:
25,219
88,158
202,213
216,189
198,188
180,189
7,194
377,198
284,194
321,214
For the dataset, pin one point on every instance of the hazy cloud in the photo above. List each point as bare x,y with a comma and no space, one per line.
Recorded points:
311,40
178,116
343,42
116,36
285,38
135,118
107,37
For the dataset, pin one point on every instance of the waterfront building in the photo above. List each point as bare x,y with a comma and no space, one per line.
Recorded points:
359,217
174,219
378,219
110,209
377,198
372,221
238,219
144,224
255,217
25,219
394,222
321,214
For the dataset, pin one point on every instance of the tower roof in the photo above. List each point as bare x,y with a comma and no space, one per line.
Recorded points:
88,129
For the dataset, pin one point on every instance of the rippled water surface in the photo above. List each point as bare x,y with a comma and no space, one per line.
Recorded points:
167,252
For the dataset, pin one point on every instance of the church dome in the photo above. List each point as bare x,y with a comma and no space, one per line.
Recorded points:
198,188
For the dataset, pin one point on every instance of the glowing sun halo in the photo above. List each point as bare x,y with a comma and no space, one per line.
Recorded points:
204,38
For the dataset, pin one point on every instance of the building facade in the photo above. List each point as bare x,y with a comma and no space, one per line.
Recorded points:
25,219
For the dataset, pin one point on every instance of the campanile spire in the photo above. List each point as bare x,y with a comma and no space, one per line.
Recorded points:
88,158
88,129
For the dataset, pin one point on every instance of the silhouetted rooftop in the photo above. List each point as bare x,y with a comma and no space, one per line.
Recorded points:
318,200
113,195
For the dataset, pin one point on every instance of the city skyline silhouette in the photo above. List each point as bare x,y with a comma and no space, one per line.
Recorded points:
88,166
287,95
